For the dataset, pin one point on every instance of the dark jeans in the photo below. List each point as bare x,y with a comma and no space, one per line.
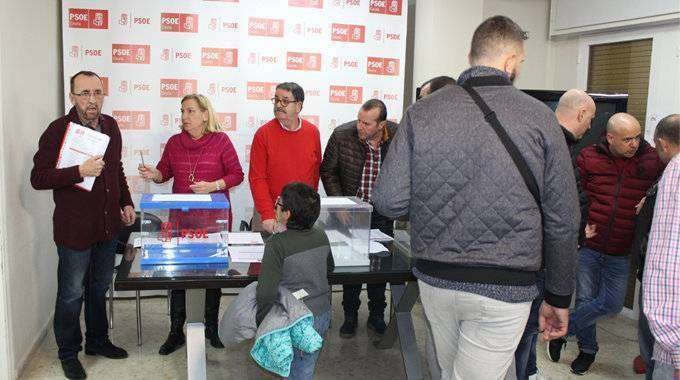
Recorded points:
600,290
376,292
83,275
525,354
178,312
645,339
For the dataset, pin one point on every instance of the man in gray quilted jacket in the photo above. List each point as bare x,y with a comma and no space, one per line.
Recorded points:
477,233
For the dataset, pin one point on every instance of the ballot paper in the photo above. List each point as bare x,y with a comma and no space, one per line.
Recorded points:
245,238
246,253
376,247
377,235
345,256
181,198
79,144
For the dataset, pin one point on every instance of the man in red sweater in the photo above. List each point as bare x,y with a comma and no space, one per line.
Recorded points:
284,150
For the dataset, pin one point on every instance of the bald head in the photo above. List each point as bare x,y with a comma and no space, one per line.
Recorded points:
575,112
667,137
623,135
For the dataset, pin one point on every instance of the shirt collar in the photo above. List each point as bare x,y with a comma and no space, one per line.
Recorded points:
291,130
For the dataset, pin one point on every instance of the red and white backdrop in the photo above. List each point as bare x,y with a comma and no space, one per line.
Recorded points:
151,53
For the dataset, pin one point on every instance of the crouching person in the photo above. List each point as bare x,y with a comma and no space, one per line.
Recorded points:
288,310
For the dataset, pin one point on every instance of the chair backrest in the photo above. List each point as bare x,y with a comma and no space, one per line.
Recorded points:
125,231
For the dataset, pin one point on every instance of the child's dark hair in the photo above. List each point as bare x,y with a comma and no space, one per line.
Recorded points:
304,205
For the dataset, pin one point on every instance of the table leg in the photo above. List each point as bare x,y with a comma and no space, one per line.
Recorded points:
195,307
138,305
401,324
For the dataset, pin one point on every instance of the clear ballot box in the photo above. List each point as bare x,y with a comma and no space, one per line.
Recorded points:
347,222
184,229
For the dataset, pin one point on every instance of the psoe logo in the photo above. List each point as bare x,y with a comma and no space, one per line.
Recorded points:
88,18
132,120
345,94
307,30
221,89
385,96
81,52
127,19
256,122
314,119
174,55
179,22
105,85
177,88
384,35
219,25
265,27
137,184
386,7
306,3
303,61
345,63
134,88
126,53
227,121
348,33
347,3
382,66
260,90
219,57
169,120
256,58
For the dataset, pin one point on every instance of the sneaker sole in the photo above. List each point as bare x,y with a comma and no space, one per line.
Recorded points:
94,353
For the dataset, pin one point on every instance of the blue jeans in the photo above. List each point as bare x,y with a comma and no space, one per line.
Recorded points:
304,363
645,339
82,276
601,282
525,354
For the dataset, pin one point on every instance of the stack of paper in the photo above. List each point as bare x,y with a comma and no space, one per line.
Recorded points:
245,238
377,235
246,253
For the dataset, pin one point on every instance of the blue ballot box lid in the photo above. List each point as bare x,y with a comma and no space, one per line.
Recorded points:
183,201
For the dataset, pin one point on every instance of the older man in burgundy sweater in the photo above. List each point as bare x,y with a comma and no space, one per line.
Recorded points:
86,224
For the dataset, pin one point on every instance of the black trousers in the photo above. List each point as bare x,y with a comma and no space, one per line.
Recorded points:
178,311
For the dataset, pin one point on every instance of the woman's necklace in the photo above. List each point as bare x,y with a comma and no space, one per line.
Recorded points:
192,170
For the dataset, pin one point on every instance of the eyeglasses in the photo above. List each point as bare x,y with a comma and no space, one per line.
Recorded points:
278,202
284,102
98,94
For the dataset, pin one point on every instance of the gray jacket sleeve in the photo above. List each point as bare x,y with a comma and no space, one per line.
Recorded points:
392,192
560,219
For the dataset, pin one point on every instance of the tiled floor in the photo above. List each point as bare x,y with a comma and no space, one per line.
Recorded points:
340,358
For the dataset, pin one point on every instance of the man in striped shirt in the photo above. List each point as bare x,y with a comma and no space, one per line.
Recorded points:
661,281
350,166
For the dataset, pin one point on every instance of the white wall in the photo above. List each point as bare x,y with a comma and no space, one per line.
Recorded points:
444,30
31,92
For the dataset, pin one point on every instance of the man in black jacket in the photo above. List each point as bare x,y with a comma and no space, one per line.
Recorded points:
575,111
350,166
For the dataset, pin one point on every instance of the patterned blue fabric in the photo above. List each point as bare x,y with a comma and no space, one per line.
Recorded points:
274,350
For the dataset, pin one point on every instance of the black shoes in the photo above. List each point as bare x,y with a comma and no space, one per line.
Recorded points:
106,349
212,335
555,348
175,340
582,363
377,325
73,369
349,327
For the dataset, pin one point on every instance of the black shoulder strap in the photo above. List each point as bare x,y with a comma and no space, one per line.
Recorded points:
517,158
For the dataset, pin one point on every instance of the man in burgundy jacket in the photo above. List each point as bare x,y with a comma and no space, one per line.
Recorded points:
616,175
85,225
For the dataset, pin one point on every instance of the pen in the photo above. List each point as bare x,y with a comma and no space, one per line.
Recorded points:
142,157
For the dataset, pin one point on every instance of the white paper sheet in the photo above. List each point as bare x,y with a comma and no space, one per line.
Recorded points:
344,256
245,238
181,198
377,235
335,236
376,247
246,253
79,144
336,201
